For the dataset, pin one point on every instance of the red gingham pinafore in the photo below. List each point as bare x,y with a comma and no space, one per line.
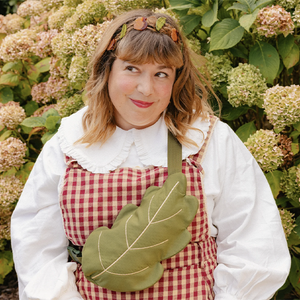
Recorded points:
91,200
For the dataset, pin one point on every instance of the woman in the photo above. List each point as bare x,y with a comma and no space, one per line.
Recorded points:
106,155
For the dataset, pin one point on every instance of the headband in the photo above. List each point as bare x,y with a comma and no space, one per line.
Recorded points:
142,23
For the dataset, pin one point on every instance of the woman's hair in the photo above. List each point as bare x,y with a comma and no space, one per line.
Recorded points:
189,96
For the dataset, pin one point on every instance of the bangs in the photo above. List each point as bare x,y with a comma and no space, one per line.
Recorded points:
146,46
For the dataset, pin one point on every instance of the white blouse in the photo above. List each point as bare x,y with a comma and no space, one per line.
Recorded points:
253,257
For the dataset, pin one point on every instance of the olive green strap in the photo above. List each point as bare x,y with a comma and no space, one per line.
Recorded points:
174,155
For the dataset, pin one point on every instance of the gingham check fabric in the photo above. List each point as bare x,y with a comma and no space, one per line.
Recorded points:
89,201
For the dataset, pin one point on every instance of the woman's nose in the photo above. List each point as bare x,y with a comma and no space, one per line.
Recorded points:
145,85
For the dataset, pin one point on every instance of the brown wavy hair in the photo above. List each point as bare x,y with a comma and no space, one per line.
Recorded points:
189,96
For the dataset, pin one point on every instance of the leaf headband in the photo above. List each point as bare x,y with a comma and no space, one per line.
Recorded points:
142,23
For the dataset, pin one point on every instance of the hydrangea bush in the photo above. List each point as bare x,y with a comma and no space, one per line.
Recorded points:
252,61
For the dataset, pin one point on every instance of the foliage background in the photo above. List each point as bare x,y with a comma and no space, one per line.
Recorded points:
251,51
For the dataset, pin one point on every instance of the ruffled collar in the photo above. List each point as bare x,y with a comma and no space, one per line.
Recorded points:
150,144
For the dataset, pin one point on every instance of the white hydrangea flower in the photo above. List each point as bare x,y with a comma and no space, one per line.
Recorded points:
282,105
30,8
78,74
246,86
288,221
62,45
20,45
263,145
49,4
274,20
85,40
296,16
72,3
12,151
287,4
43,46
68,106
57,19
289,184
15,24
11,114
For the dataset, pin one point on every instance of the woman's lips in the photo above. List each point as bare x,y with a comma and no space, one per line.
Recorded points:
142,104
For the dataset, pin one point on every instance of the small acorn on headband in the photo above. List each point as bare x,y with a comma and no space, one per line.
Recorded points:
142,23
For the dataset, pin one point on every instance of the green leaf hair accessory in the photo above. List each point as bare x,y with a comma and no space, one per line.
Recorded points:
160,23
127,257
123,31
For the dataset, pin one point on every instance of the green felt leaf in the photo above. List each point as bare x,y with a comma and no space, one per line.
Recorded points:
127,256
123,31
34,122
160,23
10,79
43,65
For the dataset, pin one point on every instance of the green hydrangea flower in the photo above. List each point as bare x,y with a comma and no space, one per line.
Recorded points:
288,221
296,16
68,106
57,19
287,4
194,44
218,68
290,185
49,4
246,86
89,12
62,45
263,145
78,74
282,105
72,3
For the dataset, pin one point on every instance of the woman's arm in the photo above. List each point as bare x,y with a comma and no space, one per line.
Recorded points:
38,237
253,257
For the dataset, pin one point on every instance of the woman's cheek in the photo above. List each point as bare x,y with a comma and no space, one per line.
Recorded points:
126,85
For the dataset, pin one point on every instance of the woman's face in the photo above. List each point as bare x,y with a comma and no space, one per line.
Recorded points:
139,93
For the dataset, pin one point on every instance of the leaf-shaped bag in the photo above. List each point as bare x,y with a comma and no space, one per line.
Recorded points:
127,257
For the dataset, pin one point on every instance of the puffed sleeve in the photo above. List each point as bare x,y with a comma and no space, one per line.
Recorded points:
252,253
38,239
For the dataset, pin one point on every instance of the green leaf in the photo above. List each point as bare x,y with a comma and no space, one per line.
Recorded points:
33,73
247,20
282,201
10,79
297,228
47,136
6,264
230,114
262,3
292,58
182,7
138,240
34,122
238,53
15,66
123,31
210,17
294,135
24,172
297,126
285,45
226,34
293,240
5,135
25,88
295,273
160,23
295,148
51,122
246,130
43,65
265,57
249,3
174,3
6,95
189,23
31,107
274,178
239,6
50,112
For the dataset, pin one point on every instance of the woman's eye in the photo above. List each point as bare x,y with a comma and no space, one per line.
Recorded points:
161,75
131,69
